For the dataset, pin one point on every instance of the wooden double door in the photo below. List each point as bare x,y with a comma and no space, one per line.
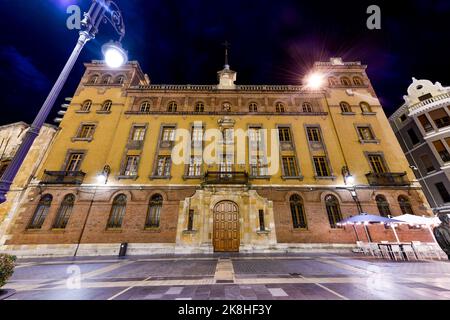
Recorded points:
226,227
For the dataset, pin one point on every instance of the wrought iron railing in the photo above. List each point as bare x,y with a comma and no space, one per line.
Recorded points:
388,179
63,177
223,177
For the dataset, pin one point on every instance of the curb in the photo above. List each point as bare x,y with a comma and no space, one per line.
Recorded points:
6,293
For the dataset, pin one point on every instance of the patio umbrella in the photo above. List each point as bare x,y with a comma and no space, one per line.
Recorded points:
418,220
365,218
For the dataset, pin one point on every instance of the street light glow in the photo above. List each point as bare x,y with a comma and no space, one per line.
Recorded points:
115,55
350,179
315,80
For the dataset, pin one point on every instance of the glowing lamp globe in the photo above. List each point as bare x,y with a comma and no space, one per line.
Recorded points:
350,179
315,81
115,56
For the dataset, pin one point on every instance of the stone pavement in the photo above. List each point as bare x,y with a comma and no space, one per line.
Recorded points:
308,276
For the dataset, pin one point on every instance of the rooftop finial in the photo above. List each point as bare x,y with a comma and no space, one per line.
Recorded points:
227,45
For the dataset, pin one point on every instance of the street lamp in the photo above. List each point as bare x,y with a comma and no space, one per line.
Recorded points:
314,80
115,56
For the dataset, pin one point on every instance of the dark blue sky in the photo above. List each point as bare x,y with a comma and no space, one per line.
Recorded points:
273,42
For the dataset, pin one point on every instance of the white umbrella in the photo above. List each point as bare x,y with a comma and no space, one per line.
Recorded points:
418,220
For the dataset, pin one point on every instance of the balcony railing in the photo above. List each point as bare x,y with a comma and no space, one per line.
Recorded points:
437,100
223,177
388,179
63,177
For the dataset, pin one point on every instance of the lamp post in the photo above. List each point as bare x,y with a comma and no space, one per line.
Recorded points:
100,10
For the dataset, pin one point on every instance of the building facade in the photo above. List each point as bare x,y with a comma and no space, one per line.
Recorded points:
11,136
216,168
422,126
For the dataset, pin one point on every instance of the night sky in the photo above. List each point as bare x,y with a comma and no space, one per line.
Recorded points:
179,41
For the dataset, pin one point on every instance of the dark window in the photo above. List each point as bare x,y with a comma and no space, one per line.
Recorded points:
284,134
262,225
321,166
3,166
413,136
425,97
403,117
200,107
314,134
117,212
145,106
376,162
345,107
64,212
289,167
107,105
297,212
425,123
333,210
383,206
405,205
443,192
191,220
440,148
74,162
307,107
41,212
279,107
427,163
154,211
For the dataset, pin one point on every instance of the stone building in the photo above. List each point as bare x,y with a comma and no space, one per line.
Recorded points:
422,126
11,136
224,167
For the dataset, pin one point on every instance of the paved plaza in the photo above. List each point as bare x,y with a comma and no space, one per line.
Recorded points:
308,276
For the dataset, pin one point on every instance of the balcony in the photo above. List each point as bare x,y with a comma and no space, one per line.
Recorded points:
63,177
226,178
388,179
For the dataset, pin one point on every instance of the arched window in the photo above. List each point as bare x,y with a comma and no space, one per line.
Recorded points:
332,81
93,79
64,212
383,206
405,205
154,211
145,106
41,212
279,107
333,210
86,106
345,81
253,107
117,212
106,79
172,107
199,107
357,81
120,79
297,212
107,105
345,107
307,107
365,107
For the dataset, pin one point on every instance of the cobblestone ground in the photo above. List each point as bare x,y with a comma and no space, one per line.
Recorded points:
230,277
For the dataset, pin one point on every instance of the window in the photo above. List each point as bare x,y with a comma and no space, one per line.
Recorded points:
427,163
41,212
425,123
93,79
357,81
425,96
345,107
262,224
307,107
445,196
253,107
172,107
195,166
332,81
257,167
120,79
197,134
131,166
199,107
333,210
289,167
413,136
154,211
314,134
107,105
117,212
86,131
74,162
365,107
279,107
377,163
145,106
190,225
226,164
228,135
321,166
345,81
254,135
403,118
440,118
440,148
297,212
138,133
64,212
86,106
164,164
284,134
168,134
3,166
366,134
106,79
383,206
405,205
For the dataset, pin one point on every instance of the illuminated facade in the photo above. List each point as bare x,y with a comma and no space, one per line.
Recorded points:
226,167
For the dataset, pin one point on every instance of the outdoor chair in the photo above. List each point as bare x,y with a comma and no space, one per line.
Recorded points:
361,248
437,251
392,251
423,251
374,250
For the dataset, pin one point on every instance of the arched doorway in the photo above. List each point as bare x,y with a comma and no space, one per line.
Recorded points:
226,227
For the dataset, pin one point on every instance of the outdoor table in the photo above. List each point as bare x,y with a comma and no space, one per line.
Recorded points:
402,250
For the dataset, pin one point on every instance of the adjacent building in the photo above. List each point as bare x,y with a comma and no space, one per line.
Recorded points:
216,168
422,126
